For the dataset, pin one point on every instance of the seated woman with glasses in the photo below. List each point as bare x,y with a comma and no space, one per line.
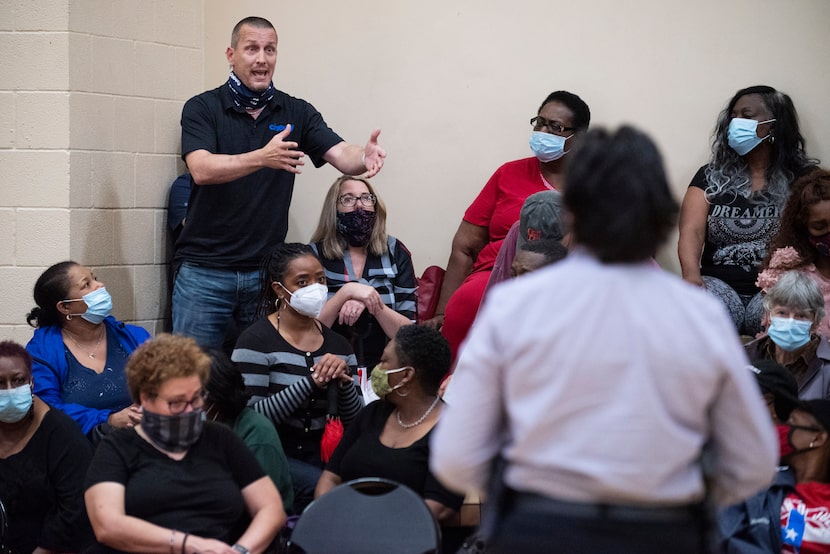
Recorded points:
175,482
791,515
369,273
561,119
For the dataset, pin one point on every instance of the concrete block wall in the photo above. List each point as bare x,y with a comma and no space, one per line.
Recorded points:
90,97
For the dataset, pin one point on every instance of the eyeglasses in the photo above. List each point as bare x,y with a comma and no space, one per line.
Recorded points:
366,199
553,126
806,428
178,406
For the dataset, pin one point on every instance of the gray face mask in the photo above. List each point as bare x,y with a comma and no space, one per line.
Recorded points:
174,433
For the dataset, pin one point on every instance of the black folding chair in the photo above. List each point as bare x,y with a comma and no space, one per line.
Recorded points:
367,516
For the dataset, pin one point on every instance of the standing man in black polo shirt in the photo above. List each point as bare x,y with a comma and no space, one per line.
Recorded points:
243,143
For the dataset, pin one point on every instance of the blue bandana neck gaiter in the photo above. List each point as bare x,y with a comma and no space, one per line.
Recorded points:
247,99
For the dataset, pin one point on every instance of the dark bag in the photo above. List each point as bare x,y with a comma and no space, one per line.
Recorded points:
491,512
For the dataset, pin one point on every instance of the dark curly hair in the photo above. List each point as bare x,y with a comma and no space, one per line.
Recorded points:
807,191
427,351
617,191
162,358
273,269
727,171
51,287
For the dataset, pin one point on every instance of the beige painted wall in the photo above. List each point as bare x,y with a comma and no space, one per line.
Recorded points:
91,92
452,84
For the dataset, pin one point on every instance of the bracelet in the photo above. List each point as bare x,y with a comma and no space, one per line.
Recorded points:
172,540
184,542
241,549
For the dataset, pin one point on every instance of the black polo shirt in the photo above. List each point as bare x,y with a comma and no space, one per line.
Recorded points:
232,225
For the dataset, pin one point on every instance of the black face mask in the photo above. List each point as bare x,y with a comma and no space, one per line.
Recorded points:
174,433
820,243
356,226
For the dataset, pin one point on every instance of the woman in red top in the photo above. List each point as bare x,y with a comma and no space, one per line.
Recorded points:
560,119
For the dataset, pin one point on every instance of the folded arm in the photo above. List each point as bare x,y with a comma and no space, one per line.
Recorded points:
212,169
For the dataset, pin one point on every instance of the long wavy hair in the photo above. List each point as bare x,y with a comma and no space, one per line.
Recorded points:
807,191
332,244
727,171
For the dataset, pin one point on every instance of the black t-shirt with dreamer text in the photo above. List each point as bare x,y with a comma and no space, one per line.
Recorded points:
737,232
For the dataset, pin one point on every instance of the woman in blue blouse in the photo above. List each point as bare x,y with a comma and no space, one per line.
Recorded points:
80,351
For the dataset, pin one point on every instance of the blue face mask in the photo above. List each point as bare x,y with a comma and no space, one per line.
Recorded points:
547,147
742,134
788,333
98,305
15,403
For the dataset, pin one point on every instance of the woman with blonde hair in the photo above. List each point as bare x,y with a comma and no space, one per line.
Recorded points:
372,285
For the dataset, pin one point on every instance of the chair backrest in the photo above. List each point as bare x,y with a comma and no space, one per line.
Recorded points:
429,289
367,516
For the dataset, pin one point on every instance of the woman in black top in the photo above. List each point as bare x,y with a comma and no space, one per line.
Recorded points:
175,483
43,457
390,437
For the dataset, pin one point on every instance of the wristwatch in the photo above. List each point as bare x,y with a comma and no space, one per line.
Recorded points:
241,549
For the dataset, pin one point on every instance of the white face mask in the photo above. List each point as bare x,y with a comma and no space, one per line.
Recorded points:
308,301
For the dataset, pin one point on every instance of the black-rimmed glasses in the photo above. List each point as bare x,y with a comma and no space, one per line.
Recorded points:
555,127
366,199
178,406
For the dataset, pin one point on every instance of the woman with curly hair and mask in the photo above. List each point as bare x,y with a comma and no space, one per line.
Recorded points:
174,481
733,204
803,242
